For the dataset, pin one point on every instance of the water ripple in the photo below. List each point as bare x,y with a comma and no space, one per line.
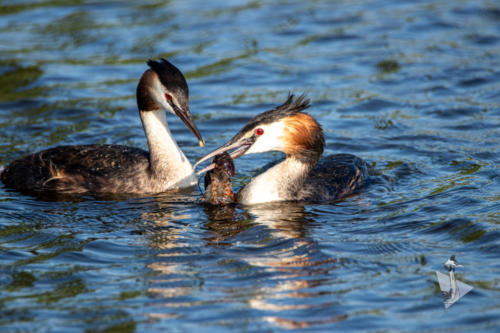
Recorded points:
412,87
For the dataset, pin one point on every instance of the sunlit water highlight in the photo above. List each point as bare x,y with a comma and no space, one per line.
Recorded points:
413,87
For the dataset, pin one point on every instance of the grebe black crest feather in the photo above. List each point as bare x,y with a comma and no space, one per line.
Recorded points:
289,108
170,76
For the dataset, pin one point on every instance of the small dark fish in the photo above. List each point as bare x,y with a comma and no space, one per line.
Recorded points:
218,189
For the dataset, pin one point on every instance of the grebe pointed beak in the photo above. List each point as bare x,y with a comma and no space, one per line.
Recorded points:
189,122
242,146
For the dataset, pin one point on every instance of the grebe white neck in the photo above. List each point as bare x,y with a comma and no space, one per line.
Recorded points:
169,165
279,183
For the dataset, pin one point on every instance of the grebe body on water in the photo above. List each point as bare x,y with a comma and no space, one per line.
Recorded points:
302,176
115,168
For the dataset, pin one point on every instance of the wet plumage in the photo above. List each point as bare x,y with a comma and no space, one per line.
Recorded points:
80,169
334,177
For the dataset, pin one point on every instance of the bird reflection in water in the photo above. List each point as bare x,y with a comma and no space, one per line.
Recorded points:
263,256
285,249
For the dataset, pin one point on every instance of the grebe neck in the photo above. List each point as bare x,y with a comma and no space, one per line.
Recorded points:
279,183
168,164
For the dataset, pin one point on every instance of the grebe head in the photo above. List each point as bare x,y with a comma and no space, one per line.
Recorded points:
285,128
164,87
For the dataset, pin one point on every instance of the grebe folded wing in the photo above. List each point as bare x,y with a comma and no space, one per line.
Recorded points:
78,169
334,177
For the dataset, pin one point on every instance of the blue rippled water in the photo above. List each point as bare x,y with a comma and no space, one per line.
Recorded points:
413,87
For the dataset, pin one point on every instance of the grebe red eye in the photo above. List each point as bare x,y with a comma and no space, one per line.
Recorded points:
168,97
259,131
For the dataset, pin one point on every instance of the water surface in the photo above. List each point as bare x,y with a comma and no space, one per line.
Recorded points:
413,87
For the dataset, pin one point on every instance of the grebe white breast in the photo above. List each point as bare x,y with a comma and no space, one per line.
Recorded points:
302,176
115,168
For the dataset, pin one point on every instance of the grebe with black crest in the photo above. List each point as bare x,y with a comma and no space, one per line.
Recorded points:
302,176
115,168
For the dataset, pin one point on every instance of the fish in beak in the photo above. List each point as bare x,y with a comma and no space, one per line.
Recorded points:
218,189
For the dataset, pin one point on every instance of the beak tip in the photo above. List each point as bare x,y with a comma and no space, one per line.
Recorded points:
202,143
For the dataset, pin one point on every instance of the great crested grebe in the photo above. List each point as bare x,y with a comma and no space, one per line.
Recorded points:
218,188
114,168
302,176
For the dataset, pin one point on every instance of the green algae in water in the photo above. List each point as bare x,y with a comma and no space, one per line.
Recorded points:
388,66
